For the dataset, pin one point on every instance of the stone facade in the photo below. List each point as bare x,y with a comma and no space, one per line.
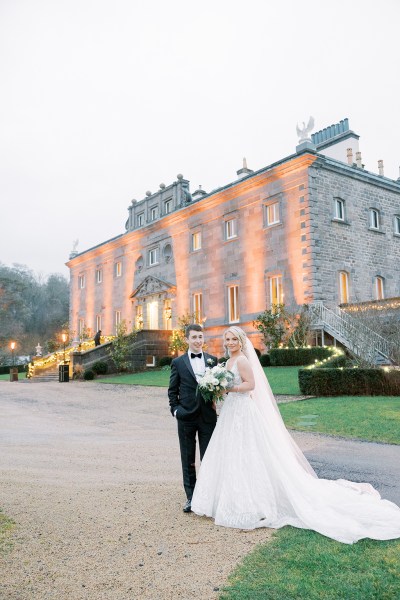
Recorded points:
273,235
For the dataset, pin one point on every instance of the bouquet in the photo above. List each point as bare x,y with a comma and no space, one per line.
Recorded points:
215,381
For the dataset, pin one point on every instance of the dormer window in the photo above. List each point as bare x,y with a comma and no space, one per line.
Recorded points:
140,220
153,213
167,206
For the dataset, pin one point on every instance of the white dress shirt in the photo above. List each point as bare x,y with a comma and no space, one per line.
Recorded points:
198,364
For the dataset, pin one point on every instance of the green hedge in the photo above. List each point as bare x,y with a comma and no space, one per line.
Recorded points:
88,375
165,361
100,367
349,382
285,357
5,369
265,360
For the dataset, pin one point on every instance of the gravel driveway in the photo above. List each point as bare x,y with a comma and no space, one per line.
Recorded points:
91,475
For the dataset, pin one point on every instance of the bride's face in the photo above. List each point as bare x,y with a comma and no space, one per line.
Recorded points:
232,342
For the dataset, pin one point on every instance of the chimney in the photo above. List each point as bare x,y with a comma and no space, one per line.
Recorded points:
358,160
350,156
244,170
380,168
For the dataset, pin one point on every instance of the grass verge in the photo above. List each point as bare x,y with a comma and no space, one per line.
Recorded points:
283,380
303,565
6,526
372,418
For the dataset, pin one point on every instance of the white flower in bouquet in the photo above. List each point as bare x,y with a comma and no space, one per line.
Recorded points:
215,381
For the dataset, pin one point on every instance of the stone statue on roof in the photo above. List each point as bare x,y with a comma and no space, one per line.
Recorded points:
304,132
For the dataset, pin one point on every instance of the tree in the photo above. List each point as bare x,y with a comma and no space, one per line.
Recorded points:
121,347
282,326
178,343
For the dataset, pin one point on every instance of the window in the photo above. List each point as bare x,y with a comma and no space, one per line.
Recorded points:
379,291
99,275
98,323
275,290
339,209
397,225
152,314
233,303
344,287
139,316
81,281
373,218
230,229
272,213
167,206
140,220
167,314
196,241
81,327
198,307
118,269
153,257
153,213
117,320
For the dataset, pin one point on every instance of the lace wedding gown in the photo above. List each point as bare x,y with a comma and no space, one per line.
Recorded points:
254,475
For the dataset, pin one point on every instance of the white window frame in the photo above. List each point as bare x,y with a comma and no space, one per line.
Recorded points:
374,219
397,224
272,213
99,275
233,304
81,281
339,209
117,320
198,307
153,213
168,206
153,257
379,288
196,241
98,323
231,228
275,290
344,287
81,326
118,268
140,219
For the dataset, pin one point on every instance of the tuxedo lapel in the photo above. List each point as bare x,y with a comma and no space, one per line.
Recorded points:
188,364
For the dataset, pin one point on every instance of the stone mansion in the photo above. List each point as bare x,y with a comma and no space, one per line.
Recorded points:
312,226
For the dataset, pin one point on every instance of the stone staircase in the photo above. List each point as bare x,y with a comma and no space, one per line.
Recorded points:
359,339
43,375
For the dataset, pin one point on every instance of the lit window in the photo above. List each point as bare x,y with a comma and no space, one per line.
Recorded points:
374,218
81,281
230,229
379,291
196,241
167,206
276,290
152,314
339,209
272,213
167,314
99,275
344,287
153,213
153,257
397,225
233,303
81,326
98,323
140,220
118,269
139,316
117,320
198,307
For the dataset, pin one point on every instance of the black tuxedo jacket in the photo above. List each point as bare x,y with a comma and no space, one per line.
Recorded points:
183,393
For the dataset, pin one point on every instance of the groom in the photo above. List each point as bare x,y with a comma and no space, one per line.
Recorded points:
193,414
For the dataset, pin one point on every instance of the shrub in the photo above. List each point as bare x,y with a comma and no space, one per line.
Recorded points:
265,360
283,357
78,372
349,382
100,367
165,361
88,375
5,369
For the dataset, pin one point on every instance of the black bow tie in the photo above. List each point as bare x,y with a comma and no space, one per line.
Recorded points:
192,355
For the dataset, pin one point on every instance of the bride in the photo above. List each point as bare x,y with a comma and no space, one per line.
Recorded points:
254,475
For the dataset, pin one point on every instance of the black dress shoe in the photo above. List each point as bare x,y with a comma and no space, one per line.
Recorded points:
188,506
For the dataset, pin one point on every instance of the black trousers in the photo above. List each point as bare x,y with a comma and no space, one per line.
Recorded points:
187,431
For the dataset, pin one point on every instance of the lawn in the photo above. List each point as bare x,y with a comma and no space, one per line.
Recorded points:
283,380
372,418
5,377
299,564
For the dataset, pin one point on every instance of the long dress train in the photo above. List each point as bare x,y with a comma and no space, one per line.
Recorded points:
254,475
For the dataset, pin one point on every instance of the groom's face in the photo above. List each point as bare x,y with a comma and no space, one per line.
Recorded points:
195,341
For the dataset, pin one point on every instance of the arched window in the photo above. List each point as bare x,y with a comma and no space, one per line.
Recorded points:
379,288
343,287
374,218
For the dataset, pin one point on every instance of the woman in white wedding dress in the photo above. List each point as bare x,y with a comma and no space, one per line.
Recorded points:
254,475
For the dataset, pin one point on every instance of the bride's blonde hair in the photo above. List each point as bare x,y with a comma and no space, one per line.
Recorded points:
241,336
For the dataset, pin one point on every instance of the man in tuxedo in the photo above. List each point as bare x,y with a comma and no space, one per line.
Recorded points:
193,414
